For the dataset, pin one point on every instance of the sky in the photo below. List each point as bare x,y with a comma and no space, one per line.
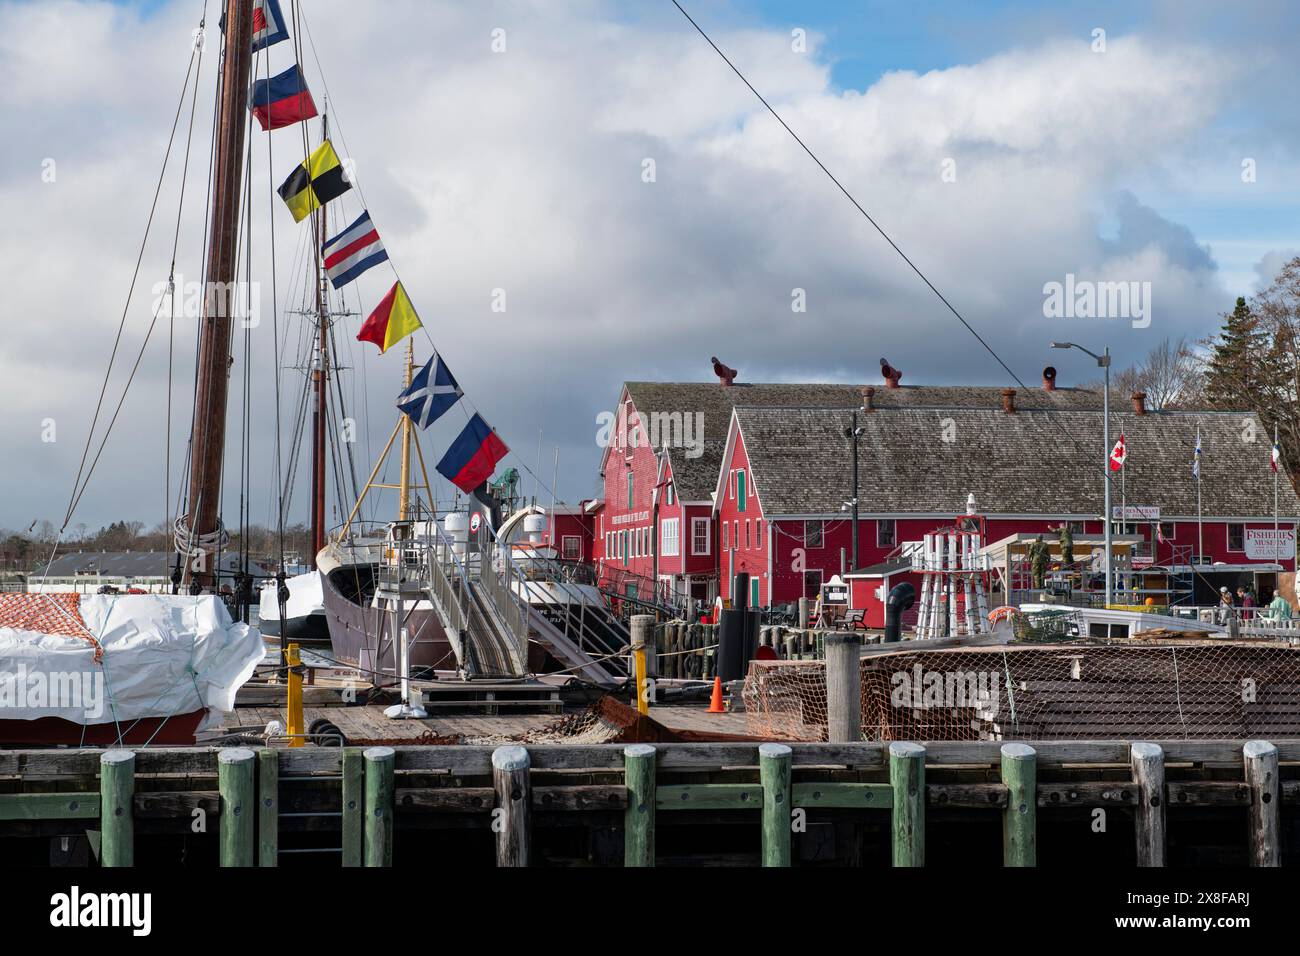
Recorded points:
577,194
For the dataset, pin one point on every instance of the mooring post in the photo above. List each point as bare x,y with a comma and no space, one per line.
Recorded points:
116,807
1148,764
1265,798
639,817
907,777
512,817
774,775
235,783
268,807
380,764
843,687
642,646
353,802
1020,819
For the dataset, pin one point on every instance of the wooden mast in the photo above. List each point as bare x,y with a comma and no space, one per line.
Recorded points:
320,379
213,385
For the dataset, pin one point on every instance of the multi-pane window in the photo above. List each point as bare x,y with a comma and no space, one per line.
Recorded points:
668,535
699,536
886,533
572,547
1236,537
813,534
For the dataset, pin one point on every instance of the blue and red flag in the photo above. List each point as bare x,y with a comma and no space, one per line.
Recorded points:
473,456
282,100
268,24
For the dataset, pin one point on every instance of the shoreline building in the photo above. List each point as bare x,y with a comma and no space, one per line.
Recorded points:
764,482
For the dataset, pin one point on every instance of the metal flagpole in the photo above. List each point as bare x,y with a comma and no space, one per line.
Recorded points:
1200,529
1273,457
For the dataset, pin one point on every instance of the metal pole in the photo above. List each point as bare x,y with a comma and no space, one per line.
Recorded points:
854,435
1200,528
1105,464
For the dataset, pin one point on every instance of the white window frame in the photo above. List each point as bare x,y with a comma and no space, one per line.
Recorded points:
708,536
725,542
564,547
669,537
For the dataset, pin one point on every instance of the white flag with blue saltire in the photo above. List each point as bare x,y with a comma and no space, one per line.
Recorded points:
433,390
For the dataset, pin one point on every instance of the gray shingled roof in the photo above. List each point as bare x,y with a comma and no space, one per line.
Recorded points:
1014,464
131,564
696,477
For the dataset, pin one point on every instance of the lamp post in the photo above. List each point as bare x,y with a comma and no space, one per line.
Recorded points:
852,433
1103,362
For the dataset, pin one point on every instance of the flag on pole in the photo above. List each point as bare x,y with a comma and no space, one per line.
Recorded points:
1118,454
433,390
1196,462
393,320
353,251
473,456
268,24
315,182
1277,455
282,100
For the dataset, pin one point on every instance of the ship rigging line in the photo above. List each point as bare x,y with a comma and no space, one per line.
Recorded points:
79,486
848,195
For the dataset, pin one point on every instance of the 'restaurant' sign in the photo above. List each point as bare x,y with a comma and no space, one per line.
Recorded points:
1263,545
1135,513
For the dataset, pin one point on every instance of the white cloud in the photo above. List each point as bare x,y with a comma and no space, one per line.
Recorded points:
522,171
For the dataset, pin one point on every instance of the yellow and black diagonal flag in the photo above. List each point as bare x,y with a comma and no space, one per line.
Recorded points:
314,183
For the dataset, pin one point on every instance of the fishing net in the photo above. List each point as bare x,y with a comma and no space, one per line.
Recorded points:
1052,689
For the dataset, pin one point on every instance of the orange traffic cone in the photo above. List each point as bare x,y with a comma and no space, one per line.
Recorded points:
715,705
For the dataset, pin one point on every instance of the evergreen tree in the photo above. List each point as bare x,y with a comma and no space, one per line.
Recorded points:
1236,375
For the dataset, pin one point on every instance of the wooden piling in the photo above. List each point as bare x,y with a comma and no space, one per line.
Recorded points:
1261,760
907,777
1148,765
268,807
639,817
843,688
353,823
1020,818
235,783
512,816
805,613
116,807
774,774
380,763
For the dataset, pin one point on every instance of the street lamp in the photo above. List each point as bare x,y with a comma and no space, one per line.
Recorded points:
852,434
1103,361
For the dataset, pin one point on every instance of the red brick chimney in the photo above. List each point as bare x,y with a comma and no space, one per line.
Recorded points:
1049,379
1139,403
1009,401
869,398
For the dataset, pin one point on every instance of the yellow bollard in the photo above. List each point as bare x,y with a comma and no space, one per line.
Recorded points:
642,682
293,706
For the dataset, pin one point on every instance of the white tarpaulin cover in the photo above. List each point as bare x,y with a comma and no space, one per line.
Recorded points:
161,655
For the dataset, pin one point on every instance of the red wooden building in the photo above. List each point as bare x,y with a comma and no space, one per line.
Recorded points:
704,480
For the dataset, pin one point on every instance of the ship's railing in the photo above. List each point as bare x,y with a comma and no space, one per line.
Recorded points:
447,581
513,612
587,623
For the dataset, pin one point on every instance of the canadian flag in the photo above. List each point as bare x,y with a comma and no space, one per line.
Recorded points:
1118,454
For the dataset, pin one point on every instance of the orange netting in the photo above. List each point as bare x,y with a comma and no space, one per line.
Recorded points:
46,614
1072,690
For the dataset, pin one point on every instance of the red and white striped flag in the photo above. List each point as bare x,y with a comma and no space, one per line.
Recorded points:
1118,454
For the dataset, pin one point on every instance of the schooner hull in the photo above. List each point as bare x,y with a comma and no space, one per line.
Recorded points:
362,636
